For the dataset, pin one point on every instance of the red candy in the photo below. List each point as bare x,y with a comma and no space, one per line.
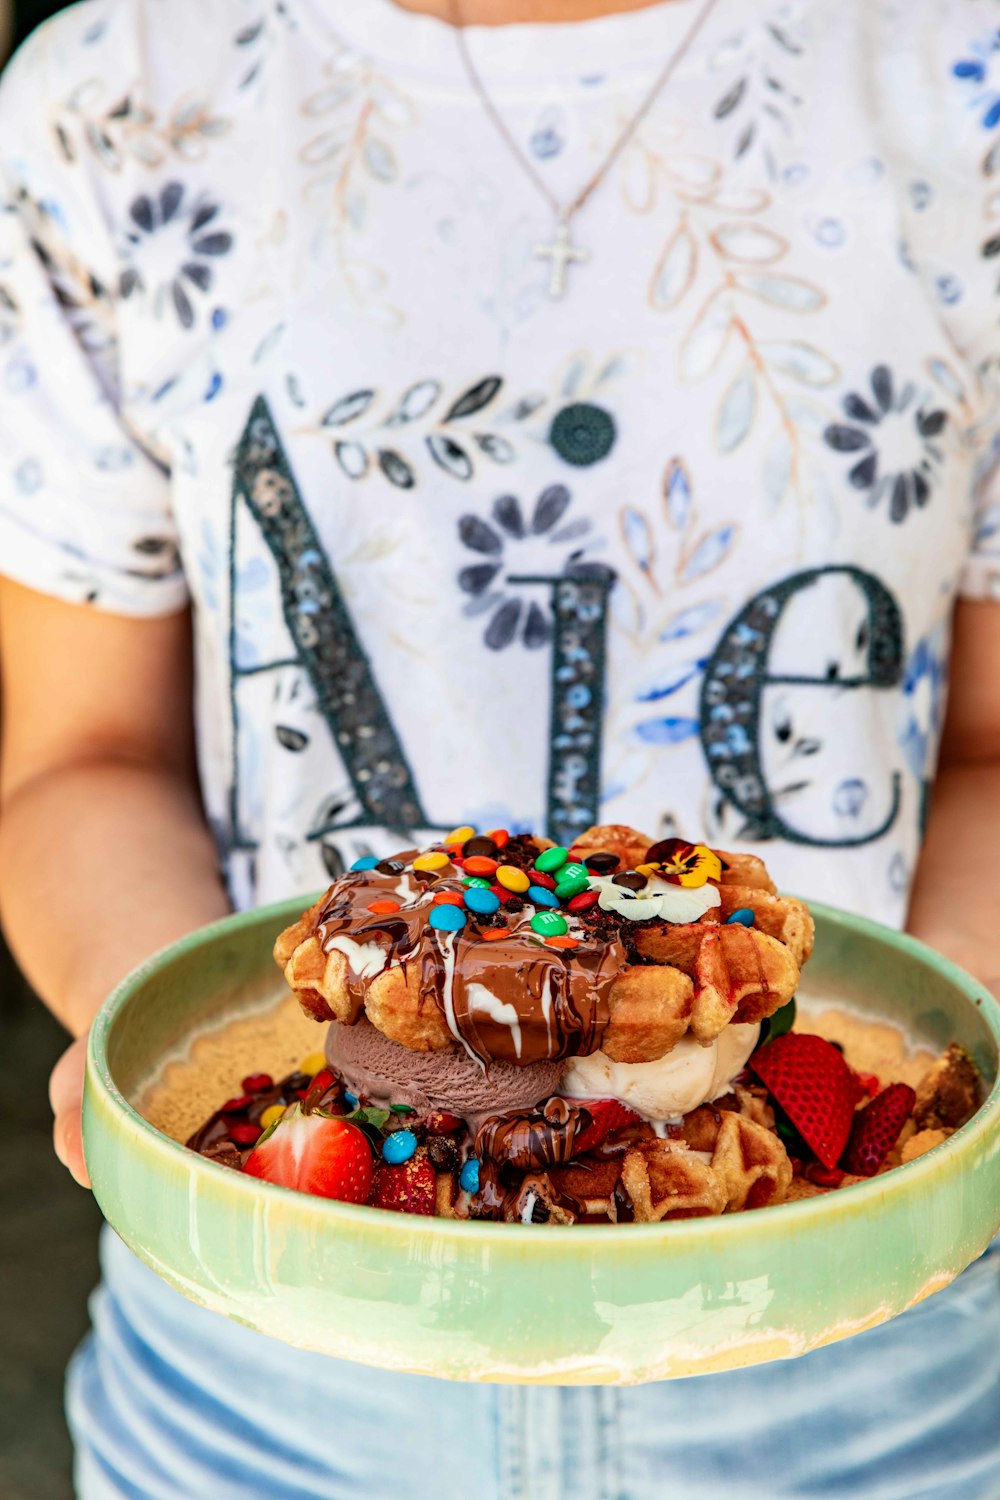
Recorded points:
501,891
539,877
584,901
245,1134
478,864
257,1083
237,1106
321,1082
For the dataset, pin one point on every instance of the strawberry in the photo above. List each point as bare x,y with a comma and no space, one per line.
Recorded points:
605,1115
876,1129
315,1153
443,1122
812,1083
405,1188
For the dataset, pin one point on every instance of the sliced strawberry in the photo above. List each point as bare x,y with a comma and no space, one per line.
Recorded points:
876,1129
405,1188
812,1083
315,1153
605,1115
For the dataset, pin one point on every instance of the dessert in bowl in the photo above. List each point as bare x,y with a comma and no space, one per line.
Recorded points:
451,1287
524,1032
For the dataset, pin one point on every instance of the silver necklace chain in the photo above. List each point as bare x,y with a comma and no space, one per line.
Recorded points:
562,251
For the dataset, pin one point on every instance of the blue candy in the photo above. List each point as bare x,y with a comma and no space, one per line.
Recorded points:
352,1099
468,1178
447,918
368,863
744,917
399,1146
541,896
483,902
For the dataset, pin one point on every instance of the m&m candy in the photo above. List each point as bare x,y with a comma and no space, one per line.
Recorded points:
484,903
541,896
584,901
744,917
459,835
549,924
435,860
572,886
552,859
447,918
368,863
478,864
399,1147
513,879
468,1178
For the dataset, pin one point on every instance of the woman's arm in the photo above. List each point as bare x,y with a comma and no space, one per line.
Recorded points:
104,851
956,903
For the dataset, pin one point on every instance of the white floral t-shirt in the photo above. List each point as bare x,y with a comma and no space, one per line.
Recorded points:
678,550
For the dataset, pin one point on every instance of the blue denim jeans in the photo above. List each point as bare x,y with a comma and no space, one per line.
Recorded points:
170,1402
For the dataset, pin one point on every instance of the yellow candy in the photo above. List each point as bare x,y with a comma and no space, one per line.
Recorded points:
433,861
459,835
512,878
312,1063
272,1113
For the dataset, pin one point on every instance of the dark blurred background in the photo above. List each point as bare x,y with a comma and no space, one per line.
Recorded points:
48,1226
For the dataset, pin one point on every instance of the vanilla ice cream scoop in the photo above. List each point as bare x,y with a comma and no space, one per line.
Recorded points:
671,1086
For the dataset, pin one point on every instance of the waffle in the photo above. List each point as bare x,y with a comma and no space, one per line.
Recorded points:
550,974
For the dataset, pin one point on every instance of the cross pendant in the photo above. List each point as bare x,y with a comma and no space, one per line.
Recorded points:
561,252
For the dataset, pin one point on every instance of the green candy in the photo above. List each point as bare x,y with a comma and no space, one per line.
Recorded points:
567,888
476,883
573,872
549,924
551,859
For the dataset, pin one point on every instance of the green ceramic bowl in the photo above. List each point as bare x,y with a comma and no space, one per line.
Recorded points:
589,1304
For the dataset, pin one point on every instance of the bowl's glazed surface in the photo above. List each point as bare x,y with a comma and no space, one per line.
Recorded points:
587,1304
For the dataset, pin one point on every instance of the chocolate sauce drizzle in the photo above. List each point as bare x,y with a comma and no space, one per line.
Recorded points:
513,998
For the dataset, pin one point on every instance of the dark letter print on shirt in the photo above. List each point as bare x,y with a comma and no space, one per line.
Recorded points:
788,729
326,644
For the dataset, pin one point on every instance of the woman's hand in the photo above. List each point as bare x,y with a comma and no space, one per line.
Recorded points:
66,1098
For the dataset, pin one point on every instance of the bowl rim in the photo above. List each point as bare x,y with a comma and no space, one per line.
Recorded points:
515,1236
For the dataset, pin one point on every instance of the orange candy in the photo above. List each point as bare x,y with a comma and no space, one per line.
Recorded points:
448,898
562,942
500,837
490,934
381,907
478,864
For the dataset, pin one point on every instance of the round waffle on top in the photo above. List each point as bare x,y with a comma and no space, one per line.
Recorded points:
520,951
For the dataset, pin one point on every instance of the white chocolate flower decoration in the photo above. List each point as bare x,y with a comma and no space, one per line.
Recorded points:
658,898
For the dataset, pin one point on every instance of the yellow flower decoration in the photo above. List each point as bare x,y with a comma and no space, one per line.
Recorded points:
685,864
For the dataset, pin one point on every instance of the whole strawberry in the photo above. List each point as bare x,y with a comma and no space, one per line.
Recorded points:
405,1187
605,1115
315,1153
812,1083
876,1129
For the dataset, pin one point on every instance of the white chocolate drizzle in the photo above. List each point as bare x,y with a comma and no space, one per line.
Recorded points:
670,903
504,1014
365,959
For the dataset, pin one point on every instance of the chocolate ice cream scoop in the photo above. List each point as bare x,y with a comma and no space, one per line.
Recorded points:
388,1073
